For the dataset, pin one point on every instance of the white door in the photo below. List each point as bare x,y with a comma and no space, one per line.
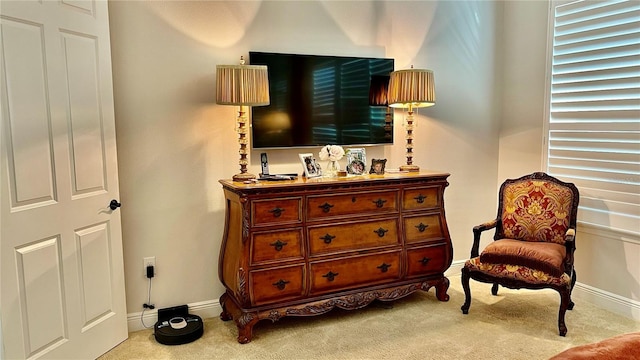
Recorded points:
62,272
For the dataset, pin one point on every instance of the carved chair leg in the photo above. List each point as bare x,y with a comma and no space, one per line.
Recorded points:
565,299
467,291
573,282
494,289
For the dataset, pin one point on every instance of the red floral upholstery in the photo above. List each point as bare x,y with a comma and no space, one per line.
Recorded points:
535,210
517,272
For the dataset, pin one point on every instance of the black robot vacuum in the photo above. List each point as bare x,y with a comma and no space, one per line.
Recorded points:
176,326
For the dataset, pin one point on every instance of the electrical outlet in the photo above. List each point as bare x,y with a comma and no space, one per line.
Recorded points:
149,261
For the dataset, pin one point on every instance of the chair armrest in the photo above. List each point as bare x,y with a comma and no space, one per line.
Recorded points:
570,235
477,231
570,244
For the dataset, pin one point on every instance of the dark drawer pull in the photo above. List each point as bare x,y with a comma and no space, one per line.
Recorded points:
420,198
326,207
278,244
379,203
380,232
425,260
330,275
280,284
384,267
327,238
422,227
276,211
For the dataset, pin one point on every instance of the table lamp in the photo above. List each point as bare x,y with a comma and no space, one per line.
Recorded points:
242,85
412,88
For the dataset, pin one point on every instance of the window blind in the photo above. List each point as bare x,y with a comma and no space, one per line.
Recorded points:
594,117
324,104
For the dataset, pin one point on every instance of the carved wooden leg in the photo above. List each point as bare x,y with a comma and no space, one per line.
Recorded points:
245,324
494,289
467,291
441,289
565,299
244,320
573,282
224,315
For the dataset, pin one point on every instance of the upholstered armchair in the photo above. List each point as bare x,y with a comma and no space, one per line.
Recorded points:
534,241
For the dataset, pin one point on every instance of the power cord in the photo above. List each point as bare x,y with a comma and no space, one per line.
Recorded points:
148,304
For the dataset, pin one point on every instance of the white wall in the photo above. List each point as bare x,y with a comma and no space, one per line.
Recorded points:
175,143
524,67
607,264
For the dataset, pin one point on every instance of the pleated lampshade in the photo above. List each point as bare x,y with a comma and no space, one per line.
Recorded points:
412,88
246,85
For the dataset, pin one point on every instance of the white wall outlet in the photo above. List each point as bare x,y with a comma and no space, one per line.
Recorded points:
149,261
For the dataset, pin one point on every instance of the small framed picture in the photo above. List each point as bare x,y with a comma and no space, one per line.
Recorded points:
356,161
377,166
311,167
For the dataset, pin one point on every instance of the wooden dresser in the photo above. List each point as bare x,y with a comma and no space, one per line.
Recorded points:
303,247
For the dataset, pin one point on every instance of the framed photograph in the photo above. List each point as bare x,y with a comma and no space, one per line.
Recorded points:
356,161
311,167
377,166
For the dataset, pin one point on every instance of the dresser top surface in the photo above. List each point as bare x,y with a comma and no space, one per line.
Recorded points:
320,181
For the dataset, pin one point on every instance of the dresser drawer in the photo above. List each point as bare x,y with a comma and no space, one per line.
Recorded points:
352,204
269,285
276,245
421,198
353,236
354,271
427,260
423,228
276,211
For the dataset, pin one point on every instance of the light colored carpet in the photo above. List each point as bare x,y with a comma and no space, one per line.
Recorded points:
516,324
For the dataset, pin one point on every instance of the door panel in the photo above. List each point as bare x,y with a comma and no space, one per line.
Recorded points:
41,292
29,139
87,145
60,245
95,270
83,6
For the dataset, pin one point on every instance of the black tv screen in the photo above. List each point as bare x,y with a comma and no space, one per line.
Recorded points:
319,100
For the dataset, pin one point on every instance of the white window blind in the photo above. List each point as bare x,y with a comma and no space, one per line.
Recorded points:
594,120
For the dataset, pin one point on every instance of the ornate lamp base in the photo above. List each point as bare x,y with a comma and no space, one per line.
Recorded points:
243,177
410,168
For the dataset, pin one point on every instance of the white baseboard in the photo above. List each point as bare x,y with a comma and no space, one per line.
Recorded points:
606,300
204,309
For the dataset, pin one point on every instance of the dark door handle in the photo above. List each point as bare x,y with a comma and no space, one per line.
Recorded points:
114,204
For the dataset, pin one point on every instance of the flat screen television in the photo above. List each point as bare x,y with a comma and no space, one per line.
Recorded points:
319,100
